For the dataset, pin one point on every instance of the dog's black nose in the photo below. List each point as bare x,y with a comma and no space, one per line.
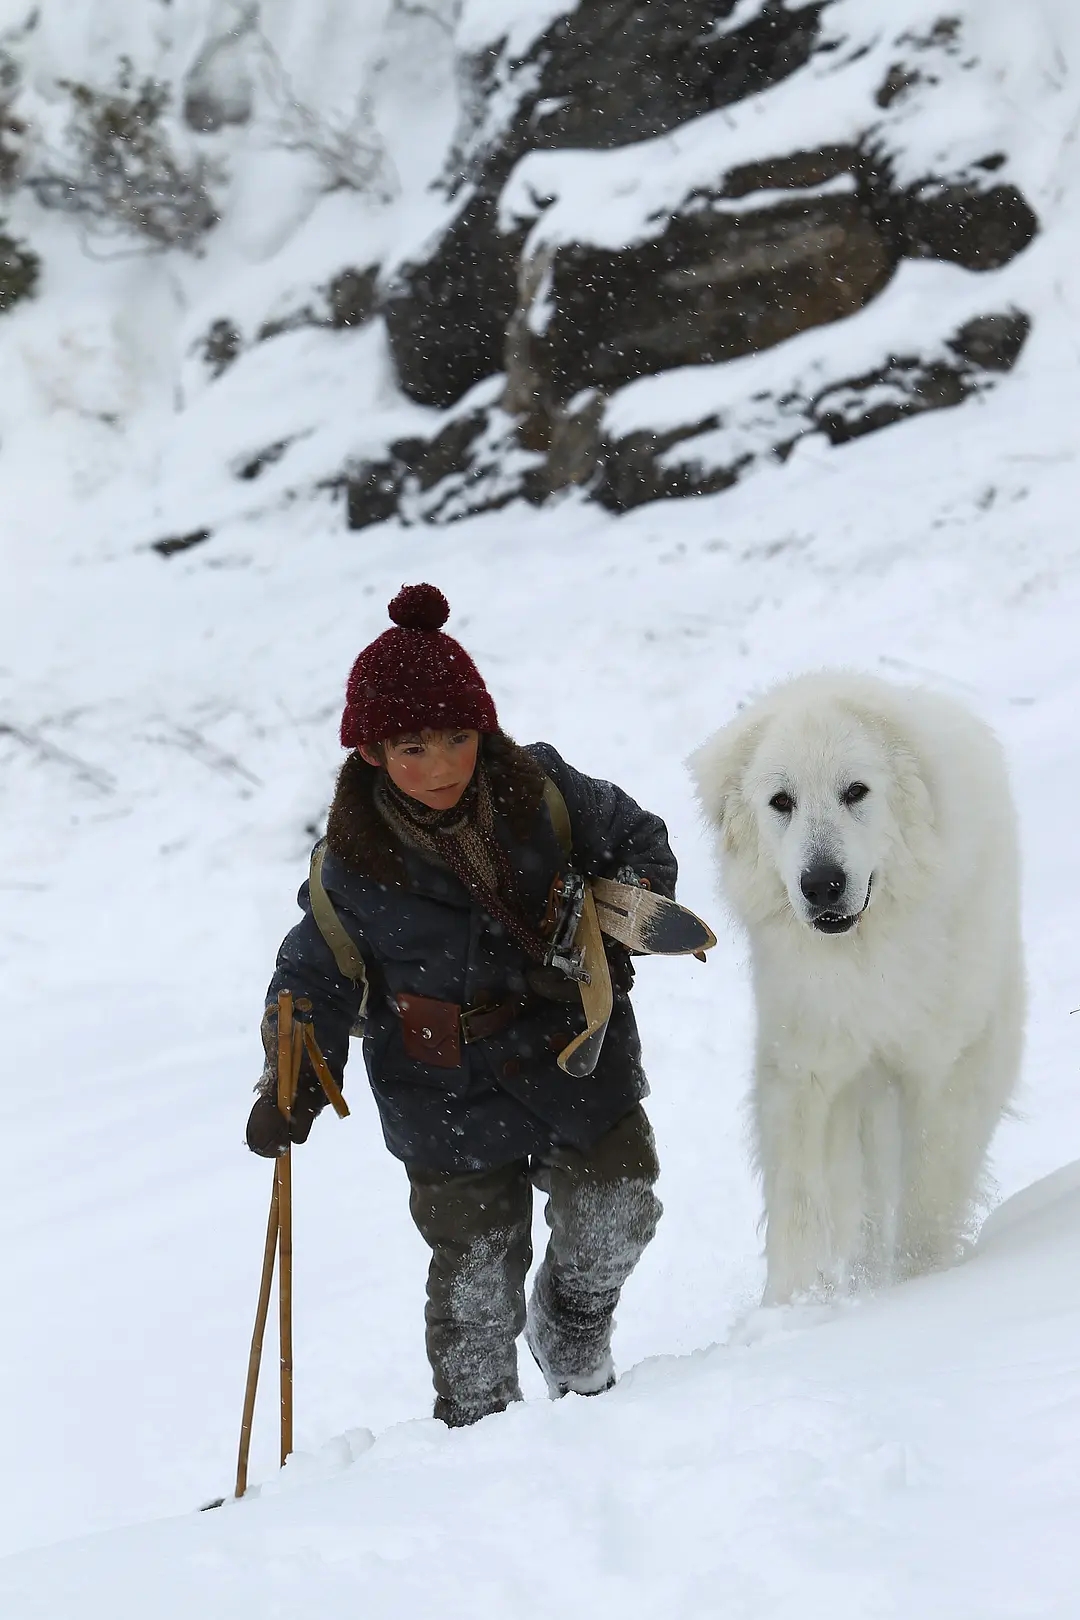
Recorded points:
823,885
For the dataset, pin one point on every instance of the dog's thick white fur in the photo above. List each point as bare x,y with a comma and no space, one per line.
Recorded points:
867,842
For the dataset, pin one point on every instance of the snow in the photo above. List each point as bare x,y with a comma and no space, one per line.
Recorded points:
840,1465
168,738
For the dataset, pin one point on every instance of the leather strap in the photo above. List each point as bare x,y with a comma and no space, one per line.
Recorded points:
349,961
480,1023
476,1023
559,815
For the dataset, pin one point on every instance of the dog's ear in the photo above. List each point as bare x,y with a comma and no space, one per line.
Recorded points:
717,769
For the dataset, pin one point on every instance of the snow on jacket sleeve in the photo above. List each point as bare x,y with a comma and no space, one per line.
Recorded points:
610,831
306,966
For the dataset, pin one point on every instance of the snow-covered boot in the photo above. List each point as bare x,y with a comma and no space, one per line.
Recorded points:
569,1336
458,1414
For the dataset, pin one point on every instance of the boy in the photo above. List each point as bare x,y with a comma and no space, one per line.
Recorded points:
440,859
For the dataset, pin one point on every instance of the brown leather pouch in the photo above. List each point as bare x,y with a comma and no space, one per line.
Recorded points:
431,1030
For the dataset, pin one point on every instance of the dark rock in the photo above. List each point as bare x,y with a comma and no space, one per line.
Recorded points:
20,271
645,466
399,483
634,470
958,216
409,451
980,228
253,466
993,342
372,491
611,72
929,50
713,287
475,463
897,82
450,451
446,317
352,297
751,258
786,172
180,542
614,71
348,300
219,346
902,387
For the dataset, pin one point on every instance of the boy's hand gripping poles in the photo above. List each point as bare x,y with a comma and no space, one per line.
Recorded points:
295,1036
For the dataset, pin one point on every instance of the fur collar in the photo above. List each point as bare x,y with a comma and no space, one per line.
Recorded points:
360,838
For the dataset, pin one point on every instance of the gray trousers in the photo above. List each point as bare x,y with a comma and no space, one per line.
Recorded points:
601,1211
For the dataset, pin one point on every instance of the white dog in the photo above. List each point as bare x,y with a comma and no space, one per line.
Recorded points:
867,842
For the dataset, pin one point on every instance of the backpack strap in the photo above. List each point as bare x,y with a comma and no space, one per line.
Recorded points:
349,961
560,816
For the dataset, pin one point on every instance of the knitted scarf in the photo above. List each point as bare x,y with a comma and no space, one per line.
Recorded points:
463,839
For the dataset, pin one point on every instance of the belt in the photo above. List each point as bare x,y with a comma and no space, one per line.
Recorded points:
480,1023
434,1032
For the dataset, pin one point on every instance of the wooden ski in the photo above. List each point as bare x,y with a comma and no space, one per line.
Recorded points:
647,922
581,1056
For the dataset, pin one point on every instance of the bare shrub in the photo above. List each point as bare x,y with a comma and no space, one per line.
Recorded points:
121,172
350,151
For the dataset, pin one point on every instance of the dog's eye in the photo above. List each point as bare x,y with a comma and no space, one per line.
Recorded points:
855,793
783,803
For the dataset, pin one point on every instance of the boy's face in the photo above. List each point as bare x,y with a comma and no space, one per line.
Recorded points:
434,767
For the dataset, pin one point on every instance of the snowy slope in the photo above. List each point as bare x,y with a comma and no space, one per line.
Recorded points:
167,738
845,1468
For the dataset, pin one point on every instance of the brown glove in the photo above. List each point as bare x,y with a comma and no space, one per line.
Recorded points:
270,1134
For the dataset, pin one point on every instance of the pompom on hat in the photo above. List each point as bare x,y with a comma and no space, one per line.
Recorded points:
414,677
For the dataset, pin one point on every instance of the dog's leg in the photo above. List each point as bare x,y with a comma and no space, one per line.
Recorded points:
949,1120
880,1137
941,1168
791,1118
845,1182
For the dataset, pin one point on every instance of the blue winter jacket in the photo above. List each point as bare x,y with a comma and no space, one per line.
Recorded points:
420,931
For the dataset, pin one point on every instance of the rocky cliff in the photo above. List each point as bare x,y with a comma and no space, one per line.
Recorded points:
672,247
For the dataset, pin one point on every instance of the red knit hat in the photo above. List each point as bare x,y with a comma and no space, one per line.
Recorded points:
414,677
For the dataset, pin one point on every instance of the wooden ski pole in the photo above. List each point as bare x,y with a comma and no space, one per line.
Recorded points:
294,1037
278,1245
255,1355
290,1039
